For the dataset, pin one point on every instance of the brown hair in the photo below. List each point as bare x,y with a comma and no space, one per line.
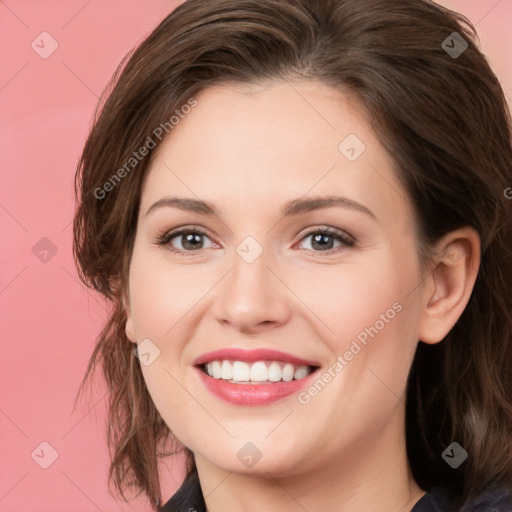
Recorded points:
444,120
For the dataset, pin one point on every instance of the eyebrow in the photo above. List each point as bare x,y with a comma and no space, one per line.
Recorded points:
294,207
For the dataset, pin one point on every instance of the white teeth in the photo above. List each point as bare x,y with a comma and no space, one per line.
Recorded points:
241,371
288,372
259,371
301,372
274,372
226,371
216,371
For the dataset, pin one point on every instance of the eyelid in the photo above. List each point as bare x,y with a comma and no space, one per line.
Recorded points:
347,238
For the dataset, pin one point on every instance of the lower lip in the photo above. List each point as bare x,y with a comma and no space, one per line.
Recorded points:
252,394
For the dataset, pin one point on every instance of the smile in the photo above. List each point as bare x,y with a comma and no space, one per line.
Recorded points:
253,377
261,371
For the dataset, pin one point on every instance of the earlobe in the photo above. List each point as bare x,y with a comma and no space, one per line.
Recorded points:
449,284
129,327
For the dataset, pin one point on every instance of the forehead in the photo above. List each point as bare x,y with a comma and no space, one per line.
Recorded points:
271,142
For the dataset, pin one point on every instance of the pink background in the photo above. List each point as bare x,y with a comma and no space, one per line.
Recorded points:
49,321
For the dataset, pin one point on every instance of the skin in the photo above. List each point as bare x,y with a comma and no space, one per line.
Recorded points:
248,151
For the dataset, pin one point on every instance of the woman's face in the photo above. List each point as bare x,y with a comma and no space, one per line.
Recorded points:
333,286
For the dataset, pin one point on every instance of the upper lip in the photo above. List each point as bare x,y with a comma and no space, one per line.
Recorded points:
259,354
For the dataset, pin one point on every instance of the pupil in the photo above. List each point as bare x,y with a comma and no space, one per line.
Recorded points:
323,241
190,240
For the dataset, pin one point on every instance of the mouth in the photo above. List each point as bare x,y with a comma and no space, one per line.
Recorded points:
255,377
241,372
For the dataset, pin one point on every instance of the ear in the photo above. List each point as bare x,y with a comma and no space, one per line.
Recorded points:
449,284
129,328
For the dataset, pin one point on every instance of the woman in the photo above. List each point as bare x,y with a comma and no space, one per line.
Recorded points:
299,212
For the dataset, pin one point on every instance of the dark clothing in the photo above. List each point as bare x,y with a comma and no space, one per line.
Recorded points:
189,498
440,499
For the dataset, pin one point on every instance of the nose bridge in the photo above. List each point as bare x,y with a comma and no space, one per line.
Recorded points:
251,296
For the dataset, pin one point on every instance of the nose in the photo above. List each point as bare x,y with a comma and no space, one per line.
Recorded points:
252,299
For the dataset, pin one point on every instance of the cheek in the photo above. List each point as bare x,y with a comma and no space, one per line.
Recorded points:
165,302
369,316
374,324
161,301
350,299
162,296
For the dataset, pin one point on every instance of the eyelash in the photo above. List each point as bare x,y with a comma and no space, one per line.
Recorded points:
165,239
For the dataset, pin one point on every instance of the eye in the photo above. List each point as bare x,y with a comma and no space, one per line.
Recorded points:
191,240
326,240
186,240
